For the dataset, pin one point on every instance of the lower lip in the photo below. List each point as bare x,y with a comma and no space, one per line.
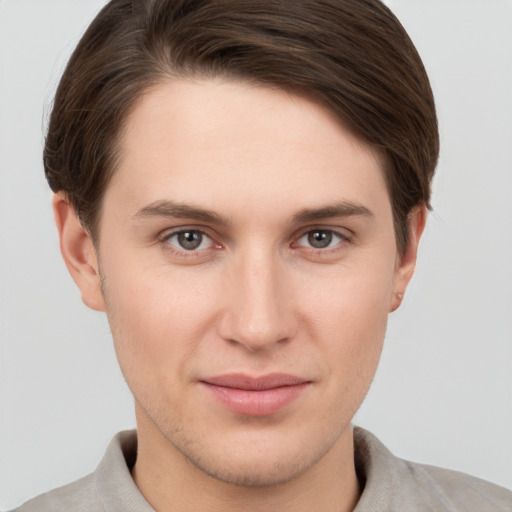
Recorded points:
256,403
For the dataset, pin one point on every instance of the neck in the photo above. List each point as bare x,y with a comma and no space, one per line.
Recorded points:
170,482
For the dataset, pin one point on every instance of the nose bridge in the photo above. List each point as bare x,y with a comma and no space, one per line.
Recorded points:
259,312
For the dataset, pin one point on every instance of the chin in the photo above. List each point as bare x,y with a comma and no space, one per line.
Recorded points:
254,472
255,461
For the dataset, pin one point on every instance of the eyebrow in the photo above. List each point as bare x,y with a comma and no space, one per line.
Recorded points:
343,209
170,209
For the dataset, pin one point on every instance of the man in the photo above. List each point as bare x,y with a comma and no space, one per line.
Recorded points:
242,187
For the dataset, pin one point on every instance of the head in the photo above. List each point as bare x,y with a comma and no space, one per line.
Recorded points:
242,185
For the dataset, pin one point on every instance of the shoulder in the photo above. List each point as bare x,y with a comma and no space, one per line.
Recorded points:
79,496
110,488
396,484
455,489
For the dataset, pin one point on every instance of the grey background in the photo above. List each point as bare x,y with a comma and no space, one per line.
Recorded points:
443,392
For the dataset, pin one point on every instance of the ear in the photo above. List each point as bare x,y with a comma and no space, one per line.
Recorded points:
78,252
406,262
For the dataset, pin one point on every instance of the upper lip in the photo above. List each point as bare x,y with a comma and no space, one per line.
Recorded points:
259,383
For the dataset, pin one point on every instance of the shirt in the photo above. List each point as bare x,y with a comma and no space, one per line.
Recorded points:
389,484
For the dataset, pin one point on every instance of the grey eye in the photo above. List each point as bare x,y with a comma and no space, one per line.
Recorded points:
320,239
189,240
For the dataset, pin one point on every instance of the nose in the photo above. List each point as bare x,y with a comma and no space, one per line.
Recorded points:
259,310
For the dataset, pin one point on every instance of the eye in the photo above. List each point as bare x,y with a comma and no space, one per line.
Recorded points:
189,240
321,239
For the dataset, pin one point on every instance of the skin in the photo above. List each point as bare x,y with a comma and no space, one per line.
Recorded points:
273,170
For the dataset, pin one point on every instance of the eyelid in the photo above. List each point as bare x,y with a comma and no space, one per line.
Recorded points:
166,233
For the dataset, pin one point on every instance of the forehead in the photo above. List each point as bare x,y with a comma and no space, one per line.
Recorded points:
242,146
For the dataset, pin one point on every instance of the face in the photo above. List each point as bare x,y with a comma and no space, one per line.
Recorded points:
248,265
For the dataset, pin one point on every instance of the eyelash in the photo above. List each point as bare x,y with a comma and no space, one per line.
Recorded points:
165,240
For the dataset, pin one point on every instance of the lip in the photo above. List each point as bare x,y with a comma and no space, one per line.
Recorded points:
255,396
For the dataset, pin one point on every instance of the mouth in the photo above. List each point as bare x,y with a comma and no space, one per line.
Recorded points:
255,396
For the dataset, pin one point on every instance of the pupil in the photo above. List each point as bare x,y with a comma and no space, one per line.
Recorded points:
320,239
190,240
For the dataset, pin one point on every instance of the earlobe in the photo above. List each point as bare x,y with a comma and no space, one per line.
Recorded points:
78,252
406,262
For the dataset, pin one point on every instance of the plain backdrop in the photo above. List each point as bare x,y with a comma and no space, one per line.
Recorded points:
443,392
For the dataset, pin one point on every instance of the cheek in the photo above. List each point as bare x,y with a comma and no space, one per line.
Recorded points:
350,332
351,298
348,316
157,317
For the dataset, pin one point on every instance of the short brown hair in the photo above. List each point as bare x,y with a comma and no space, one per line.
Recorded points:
353,56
